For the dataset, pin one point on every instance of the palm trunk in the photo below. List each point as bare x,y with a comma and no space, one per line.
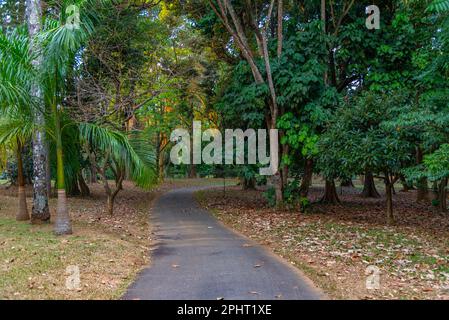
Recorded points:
63,224
40,212
22,212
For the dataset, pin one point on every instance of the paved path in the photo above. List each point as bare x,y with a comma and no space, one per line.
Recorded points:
198,258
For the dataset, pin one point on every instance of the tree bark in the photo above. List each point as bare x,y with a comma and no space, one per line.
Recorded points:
306,179
40,212
93,168
22,212
369,187
63,224
442,195
85,192
330,193
389,200
48,169
423,188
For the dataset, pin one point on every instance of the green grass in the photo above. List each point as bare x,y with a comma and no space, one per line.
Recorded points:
33,262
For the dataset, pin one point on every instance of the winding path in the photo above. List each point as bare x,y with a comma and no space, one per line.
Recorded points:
196,257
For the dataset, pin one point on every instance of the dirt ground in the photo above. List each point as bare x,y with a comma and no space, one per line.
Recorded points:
347,249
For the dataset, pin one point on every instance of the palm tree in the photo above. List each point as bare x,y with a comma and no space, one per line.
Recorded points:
15,103
40,212
15,131
61,43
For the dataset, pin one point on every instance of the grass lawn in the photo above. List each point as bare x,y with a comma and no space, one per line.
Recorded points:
108,251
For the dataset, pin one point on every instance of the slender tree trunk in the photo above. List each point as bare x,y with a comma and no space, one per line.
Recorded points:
40,212
389,199
22,212
85,192
442,192
423,188
330,193
160,161
48,169
93,168
306,179
369,187
63,224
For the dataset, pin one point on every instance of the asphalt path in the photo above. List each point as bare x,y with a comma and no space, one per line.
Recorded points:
197,258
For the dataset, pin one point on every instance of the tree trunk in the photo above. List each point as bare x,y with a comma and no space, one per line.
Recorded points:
248,184
347,183
93,168
110,205
161,166
442,195
85,192
22,212
306,179
48,169
40,212
192,171
63,224
369,187
389,199
330,193
423,188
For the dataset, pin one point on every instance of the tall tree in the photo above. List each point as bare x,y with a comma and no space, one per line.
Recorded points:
40,212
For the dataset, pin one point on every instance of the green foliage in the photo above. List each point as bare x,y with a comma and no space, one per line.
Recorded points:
270,196
439,6
356,140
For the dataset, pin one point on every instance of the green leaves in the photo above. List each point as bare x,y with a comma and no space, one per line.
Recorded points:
439,6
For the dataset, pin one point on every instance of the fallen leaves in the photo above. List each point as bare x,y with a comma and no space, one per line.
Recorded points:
339,243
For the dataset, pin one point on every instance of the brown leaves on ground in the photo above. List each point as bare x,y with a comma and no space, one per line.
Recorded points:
334,245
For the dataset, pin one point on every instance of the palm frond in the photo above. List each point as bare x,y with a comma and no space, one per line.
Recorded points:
439,6
132,153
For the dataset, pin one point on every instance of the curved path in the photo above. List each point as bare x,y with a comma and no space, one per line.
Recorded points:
198,258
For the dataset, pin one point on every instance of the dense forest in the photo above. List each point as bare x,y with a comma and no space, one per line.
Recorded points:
91,90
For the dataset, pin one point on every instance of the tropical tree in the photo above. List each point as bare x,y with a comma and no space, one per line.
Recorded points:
16,121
